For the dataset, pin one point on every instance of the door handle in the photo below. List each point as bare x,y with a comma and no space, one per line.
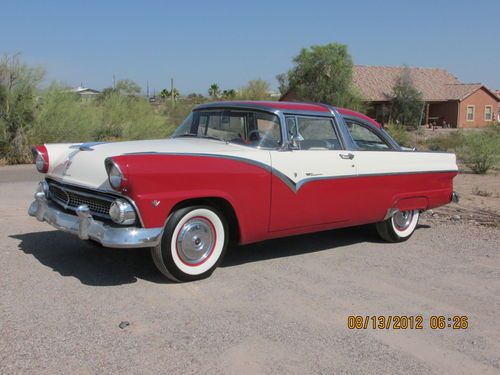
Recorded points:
347,156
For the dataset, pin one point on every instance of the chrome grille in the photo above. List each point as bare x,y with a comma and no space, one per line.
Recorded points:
70,199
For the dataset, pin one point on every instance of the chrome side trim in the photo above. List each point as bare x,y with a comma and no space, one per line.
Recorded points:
256,163
294,186
85,227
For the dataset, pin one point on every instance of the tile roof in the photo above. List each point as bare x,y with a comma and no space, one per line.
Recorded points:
376,82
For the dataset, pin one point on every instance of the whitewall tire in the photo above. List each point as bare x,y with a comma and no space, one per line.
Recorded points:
399,227
193,244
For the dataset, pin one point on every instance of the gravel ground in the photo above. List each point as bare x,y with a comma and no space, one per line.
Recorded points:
274,307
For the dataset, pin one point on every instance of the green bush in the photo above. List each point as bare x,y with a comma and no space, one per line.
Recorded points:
448,142
481,150
65,117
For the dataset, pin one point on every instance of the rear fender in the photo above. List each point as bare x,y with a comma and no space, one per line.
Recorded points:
413,203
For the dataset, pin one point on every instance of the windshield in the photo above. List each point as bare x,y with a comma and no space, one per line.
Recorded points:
251,128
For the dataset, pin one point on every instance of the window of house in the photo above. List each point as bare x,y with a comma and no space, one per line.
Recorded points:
488,113
365,138
470,112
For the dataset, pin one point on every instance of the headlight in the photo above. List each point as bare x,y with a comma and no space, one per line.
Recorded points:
115,176
122,212
41,158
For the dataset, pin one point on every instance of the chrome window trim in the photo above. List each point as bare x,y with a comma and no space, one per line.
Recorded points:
248,108
329,117
383,136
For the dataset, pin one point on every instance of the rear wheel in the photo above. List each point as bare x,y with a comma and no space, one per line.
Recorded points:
399,227
193,244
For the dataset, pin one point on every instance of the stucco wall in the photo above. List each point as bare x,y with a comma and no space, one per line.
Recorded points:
480,99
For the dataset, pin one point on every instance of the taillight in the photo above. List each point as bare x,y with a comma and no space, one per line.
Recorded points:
116,178
41,158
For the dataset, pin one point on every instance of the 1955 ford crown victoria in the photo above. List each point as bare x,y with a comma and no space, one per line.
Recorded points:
240,172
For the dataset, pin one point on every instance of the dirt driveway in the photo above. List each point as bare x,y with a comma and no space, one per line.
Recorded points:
276,307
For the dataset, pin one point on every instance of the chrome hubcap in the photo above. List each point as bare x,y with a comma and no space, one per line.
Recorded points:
402,219
195,240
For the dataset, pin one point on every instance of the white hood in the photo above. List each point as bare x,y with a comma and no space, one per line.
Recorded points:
83,164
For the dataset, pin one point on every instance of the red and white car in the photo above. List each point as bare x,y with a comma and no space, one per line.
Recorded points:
239,172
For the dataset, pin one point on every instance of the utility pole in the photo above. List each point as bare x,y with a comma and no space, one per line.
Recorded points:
147,89
114,82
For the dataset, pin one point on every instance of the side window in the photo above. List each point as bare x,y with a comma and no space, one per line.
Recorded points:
255,129
365,138
313,133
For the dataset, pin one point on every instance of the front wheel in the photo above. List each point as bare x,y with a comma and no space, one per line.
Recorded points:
399,227
193,244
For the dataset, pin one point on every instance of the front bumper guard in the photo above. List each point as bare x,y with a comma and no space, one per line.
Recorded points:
85,227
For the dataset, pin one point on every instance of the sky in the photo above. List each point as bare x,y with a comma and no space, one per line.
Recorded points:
229,42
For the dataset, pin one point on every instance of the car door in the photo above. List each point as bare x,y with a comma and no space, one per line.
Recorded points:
377,165
313,183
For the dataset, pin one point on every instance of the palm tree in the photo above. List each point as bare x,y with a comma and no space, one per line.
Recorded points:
164,93
229,94
214,90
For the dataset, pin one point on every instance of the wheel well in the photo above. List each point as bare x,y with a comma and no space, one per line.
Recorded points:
220,204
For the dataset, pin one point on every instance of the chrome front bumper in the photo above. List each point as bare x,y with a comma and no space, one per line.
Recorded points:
85,227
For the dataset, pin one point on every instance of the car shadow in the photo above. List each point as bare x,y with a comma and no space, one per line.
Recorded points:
95,265
298,245
89,262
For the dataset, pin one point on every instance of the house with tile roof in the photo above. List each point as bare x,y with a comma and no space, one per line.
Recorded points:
448,102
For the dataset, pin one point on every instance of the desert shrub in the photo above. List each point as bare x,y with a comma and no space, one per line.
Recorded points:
400,134
447,142
18,105
64,117
480,150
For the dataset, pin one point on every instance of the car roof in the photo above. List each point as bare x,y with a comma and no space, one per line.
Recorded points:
292,106
351,113
288,106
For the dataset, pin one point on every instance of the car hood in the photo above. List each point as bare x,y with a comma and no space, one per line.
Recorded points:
83,164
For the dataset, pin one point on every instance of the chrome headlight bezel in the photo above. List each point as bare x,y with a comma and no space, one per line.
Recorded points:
41,157
116,178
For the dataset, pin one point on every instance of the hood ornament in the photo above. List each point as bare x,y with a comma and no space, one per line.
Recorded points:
87,146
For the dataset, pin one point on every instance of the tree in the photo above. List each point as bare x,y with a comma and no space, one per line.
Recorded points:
256,89
407,102
283,84
18,85
164,93
229,94
128,87
168,93
323,74
214,90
